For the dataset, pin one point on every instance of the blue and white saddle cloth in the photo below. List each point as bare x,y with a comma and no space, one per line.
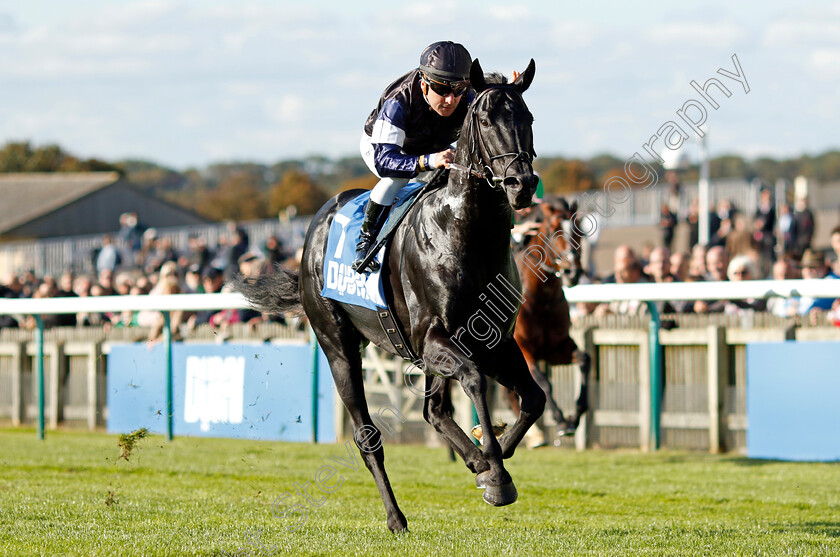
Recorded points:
341,282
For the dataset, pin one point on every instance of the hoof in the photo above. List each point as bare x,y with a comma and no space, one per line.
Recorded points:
500,495
398,524
566,428
496,495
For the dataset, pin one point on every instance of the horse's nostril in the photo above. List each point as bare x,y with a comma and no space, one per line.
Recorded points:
512,182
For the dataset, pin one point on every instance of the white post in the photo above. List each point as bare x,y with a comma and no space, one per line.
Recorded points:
781,197
703,191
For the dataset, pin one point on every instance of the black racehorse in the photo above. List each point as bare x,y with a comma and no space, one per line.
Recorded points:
453,285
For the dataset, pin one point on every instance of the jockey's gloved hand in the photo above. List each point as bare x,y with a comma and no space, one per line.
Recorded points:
442,159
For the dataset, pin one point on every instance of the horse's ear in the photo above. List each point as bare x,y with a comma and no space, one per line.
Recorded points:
547,211
574,208
525,78
477,77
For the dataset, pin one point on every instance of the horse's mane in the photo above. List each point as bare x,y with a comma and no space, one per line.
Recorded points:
495,78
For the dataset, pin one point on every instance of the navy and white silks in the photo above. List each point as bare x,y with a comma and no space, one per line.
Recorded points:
401,128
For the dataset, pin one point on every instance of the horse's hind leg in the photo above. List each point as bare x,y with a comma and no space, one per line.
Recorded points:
437,410
571,353
341,346
584,362
545,385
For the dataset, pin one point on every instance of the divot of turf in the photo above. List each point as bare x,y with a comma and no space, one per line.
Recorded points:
128,442
111,496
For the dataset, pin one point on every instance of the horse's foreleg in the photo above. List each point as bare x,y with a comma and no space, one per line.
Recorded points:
437,410
442,354
497,483
511,370
584,362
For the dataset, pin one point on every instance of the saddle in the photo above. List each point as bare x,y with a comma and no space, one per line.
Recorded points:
399,212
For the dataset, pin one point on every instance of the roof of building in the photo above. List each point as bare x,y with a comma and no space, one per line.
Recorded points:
27,196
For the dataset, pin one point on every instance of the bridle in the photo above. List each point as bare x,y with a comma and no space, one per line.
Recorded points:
553,266
477,147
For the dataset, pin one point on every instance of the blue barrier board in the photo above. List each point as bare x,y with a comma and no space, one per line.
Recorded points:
793,400
249,391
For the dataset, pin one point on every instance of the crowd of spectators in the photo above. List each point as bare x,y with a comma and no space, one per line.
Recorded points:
136,261
754,235
740,248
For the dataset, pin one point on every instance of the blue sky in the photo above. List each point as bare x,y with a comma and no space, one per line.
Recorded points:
189,83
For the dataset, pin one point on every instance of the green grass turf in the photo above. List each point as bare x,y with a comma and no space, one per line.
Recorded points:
204,496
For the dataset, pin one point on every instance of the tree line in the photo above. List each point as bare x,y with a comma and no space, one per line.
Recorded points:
561,174
247,190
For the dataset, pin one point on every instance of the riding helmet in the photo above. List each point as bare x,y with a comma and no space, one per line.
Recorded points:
447,61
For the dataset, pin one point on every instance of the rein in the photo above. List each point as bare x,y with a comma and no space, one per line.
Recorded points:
476,148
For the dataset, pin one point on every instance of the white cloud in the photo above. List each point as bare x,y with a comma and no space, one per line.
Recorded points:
72,123
286,109
826,58
420,12
262,14
244,88
805,27
191,120
508,14
573,34
622,50
669,89
696,34
56,67
826,61
114,43
591,133
359,79
126,14
825,106
235,41
556,77
793,33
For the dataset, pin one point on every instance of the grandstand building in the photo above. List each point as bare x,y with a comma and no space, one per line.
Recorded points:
47,205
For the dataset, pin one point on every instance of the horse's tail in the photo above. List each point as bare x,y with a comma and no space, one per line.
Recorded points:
275,293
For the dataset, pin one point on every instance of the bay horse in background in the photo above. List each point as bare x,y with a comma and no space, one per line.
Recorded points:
452,246
549,260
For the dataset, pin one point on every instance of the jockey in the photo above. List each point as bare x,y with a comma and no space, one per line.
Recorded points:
411,130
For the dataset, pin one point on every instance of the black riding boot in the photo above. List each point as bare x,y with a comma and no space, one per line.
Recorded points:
374,218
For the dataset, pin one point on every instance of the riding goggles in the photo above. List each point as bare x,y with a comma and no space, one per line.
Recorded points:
445,88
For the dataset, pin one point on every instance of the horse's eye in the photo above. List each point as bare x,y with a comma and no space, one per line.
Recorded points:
485,123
